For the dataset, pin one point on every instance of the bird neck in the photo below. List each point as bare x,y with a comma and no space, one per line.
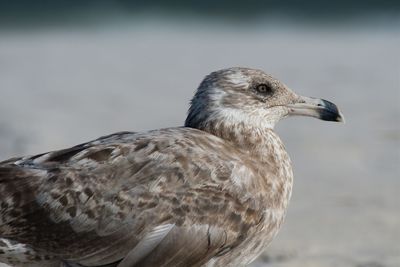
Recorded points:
243,130
253,138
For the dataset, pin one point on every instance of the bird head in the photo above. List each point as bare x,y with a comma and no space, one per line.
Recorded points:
252,97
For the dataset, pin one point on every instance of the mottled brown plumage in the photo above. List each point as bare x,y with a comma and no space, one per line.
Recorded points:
211,193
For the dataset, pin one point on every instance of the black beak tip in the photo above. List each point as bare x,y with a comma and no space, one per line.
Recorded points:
330,112
330,116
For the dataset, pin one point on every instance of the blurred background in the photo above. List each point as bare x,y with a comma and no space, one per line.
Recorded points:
71,71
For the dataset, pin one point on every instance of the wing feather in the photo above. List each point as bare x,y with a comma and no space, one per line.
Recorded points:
97,202
149,242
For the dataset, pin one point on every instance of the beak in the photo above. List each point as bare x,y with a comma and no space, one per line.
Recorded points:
314,107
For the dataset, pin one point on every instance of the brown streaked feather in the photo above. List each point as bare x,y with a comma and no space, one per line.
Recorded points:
185,246
99,207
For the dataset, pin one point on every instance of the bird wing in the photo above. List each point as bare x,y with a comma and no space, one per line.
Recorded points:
146,197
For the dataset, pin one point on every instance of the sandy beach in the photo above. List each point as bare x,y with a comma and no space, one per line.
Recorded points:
60,88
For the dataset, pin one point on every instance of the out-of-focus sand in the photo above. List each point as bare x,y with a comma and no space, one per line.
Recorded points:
60,88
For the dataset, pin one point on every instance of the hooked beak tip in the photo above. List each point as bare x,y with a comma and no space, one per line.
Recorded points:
341,118
329,111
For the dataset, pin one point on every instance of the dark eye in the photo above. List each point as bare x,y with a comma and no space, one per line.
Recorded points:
263,88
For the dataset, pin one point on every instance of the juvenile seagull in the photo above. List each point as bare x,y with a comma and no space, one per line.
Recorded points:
211,193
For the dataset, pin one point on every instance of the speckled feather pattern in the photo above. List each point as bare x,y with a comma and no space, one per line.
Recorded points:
211,193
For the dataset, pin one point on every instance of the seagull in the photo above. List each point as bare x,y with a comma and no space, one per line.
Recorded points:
213,192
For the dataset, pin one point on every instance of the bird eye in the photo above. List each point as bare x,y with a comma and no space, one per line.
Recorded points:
263,88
